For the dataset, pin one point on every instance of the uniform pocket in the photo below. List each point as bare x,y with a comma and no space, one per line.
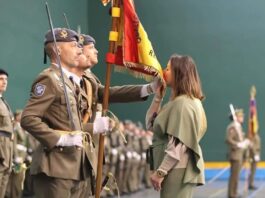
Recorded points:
4,117
71,98
5,153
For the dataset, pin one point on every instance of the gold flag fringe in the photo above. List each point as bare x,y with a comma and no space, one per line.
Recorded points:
136,74
128,68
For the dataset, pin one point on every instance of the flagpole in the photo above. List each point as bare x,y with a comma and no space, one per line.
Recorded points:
250,137
112,42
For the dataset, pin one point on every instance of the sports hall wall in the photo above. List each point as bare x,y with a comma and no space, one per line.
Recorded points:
226,39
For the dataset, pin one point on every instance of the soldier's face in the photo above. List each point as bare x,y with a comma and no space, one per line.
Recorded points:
83,62
3,83
69,53
240,118
91,53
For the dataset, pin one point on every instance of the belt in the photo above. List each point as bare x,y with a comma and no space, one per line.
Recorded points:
5,134
63,148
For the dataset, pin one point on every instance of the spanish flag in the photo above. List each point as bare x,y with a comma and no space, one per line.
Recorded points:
134,52
253,125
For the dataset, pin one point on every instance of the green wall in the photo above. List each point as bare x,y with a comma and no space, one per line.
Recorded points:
226,38
23,24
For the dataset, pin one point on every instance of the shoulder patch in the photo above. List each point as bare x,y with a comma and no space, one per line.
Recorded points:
39,89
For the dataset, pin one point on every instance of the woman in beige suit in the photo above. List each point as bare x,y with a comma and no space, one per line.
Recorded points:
178,128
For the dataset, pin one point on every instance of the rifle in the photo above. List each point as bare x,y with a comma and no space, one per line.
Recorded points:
233,112
58,61
66,21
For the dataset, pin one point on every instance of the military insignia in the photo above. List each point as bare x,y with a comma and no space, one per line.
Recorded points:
81,39
39,89
63,34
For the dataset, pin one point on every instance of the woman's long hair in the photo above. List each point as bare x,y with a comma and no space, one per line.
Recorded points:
185,77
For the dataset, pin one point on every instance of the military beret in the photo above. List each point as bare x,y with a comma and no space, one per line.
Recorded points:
61,35
3,72
86,39
239,112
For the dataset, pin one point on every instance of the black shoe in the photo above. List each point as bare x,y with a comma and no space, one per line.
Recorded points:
252,188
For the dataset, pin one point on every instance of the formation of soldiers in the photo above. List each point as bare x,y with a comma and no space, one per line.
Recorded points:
126,161
125,157
20,181
16,148
64,115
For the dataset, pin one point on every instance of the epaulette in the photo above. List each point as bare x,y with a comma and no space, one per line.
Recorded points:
47,70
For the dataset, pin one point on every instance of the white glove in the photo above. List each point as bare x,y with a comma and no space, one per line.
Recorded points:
257,158
29,158
150,88
247,142
244,144
18,160
101,124
21,147
155,84
70,140
240,145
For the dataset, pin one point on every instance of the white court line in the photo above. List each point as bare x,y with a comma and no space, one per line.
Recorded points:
218,192
256,191
218,175
214,179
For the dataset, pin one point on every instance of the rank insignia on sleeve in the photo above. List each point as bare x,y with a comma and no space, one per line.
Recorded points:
39,89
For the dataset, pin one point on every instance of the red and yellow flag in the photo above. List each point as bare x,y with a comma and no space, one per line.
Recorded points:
134,50
253,125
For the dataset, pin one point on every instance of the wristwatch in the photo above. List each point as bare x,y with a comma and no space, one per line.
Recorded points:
160,173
